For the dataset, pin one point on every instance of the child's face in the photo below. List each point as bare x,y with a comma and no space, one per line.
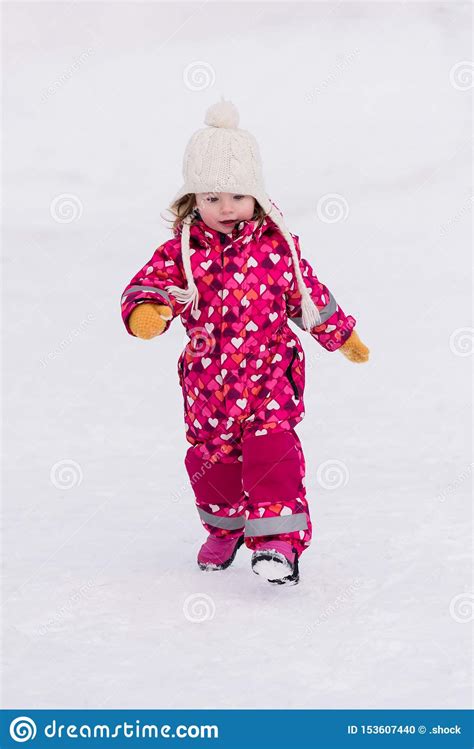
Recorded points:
217,208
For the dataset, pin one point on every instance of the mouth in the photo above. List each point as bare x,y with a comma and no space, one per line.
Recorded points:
229,223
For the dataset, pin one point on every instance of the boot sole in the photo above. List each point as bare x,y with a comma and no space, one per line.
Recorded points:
267,564
210,567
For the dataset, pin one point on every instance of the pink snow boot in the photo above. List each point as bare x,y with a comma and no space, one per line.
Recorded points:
277,562
218,553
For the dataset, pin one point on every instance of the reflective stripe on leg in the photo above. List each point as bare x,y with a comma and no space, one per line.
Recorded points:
276,525
220,521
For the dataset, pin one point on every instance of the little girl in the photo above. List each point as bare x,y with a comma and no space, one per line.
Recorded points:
235,275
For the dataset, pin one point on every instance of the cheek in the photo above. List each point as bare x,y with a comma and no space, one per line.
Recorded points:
250,208
206,209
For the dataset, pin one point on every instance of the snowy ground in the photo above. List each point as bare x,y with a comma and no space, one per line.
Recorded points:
369,101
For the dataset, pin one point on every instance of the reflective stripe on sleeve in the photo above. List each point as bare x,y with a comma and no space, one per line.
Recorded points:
330,308
219,521
277,524
159,292
324,313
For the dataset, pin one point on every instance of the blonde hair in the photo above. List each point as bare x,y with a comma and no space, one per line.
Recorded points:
187,206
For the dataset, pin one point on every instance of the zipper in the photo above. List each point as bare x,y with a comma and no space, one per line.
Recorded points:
289,373
181,371
221,335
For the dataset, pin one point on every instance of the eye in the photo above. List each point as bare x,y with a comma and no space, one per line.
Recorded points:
239,197
211,199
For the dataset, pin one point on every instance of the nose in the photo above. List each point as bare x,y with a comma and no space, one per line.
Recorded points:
227,208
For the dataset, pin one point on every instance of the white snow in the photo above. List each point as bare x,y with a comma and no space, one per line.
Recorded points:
103,602
272,569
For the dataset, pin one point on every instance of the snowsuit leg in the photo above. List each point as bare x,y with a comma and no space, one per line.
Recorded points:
273,480
216,479
256,484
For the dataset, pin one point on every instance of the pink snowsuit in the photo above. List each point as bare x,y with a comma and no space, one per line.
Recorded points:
242,374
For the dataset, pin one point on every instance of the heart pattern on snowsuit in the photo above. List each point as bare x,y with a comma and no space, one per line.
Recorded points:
242,371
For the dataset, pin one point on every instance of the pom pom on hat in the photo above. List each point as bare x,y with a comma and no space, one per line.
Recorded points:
222,114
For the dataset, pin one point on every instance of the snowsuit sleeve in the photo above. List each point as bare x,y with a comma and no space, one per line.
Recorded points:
149,284
335,327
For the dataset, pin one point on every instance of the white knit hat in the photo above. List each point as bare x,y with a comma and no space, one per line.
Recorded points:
224,158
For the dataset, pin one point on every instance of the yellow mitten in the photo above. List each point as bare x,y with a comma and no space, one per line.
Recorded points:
149,319
354,349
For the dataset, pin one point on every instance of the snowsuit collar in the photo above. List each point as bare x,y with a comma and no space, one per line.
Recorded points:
193,228
203,235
